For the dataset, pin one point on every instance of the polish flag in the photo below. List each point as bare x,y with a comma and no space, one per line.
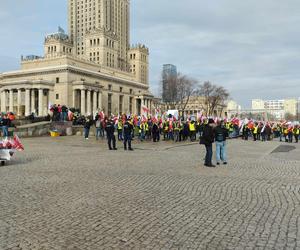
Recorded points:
17,144
145,110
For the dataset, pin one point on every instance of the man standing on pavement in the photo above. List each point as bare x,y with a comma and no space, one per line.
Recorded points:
221,133
110,132
87,126
207,139
127,130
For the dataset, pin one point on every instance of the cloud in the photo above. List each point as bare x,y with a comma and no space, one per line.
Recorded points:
250,47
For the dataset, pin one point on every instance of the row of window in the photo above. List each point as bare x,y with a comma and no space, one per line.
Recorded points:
121,89
53,49
121,101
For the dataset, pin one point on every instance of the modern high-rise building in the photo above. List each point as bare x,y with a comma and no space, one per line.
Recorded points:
91,68
169,75
169,70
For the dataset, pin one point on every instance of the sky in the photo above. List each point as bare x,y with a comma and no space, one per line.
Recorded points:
250,47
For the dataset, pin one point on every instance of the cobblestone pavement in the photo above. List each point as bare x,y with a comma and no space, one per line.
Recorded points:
67,193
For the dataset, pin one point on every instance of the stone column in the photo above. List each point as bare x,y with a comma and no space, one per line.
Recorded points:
3,101
11,100
33,102
95,96
27,102
41,105
82,108
100,101
19,102
74,98
88,103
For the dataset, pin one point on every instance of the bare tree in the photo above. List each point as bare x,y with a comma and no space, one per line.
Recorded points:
214,97
186,87
177,90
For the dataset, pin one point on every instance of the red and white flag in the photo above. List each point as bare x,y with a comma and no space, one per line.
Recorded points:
17,144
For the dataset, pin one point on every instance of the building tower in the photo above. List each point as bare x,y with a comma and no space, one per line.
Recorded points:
138,57
99,30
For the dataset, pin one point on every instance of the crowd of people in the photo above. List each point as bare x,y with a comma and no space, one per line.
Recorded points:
168,128
61,113
6,122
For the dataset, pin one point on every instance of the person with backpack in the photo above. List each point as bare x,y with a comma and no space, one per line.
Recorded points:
221,133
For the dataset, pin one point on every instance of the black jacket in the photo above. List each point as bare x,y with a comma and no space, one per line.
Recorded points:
221,133
110,128
128,128
208,136
6,122
88,123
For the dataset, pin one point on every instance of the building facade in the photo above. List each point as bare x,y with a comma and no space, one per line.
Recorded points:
196,105
169,75
277,108
93,68
233,109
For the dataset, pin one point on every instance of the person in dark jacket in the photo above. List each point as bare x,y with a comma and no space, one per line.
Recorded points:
207,139
110,133
127,133
221,133
87,125
5,123
155,132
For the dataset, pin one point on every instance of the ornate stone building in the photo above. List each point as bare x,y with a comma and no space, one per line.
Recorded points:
93,68
195,105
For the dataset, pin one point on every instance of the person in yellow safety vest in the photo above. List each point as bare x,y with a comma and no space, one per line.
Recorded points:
255,131
285,133
166,130
142,131
192,128
296,133
231,129
227,126
146,130
176,131
120,130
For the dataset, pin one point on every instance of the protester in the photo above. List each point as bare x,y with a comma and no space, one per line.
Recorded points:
98,126
221,133
110,132
192,130
155,132
296,133
128,128
5,123
207,139
87,125
120,130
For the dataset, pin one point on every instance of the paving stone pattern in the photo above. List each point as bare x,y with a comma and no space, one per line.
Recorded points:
67,193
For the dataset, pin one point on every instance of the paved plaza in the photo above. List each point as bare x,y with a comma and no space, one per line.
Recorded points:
68,193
